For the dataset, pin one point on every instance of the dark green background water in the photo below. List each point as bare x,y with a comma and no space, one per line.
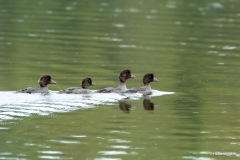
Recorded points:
192,47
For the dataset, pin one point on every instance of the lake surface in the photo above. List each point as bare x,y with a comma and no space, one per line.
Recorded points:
192,47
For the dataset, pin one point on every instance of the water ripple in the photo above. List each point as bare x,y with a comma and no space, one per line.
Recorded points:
50,152
113,152
65,141
16,105
119,141
104,158
50,157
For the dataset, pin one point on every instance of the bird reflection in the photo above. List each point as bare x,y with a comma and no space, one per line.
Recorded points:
124,106
147,104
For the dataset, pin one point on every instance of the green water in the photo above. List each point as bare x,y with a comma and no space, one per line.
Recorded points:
192,47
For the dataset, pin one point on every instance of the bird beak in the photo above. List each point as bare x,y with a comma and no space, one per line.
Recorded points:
132,76
155,80
93,84
53,82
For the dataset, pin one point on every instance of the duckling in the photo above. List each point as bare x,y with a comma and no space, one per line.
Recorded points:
123,77
86,82
43,82
146,88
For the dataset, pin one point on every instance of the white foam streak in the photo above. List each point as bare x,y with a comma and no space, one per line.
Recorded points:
14,105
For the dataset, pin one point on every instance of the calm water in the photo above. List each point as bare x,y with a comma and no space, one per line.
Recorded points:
192,47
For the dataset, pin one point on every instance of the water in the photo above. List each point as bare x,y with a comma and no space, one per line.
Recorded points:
191,47
16,105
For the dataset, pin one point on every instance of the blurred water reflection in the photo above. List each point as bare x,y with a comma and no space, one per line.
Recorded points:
191,46
147,104
126,106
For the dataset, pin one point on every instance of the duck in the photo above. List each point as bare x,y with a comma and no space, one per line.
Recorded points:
146,88
43,82
86,82
123,77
